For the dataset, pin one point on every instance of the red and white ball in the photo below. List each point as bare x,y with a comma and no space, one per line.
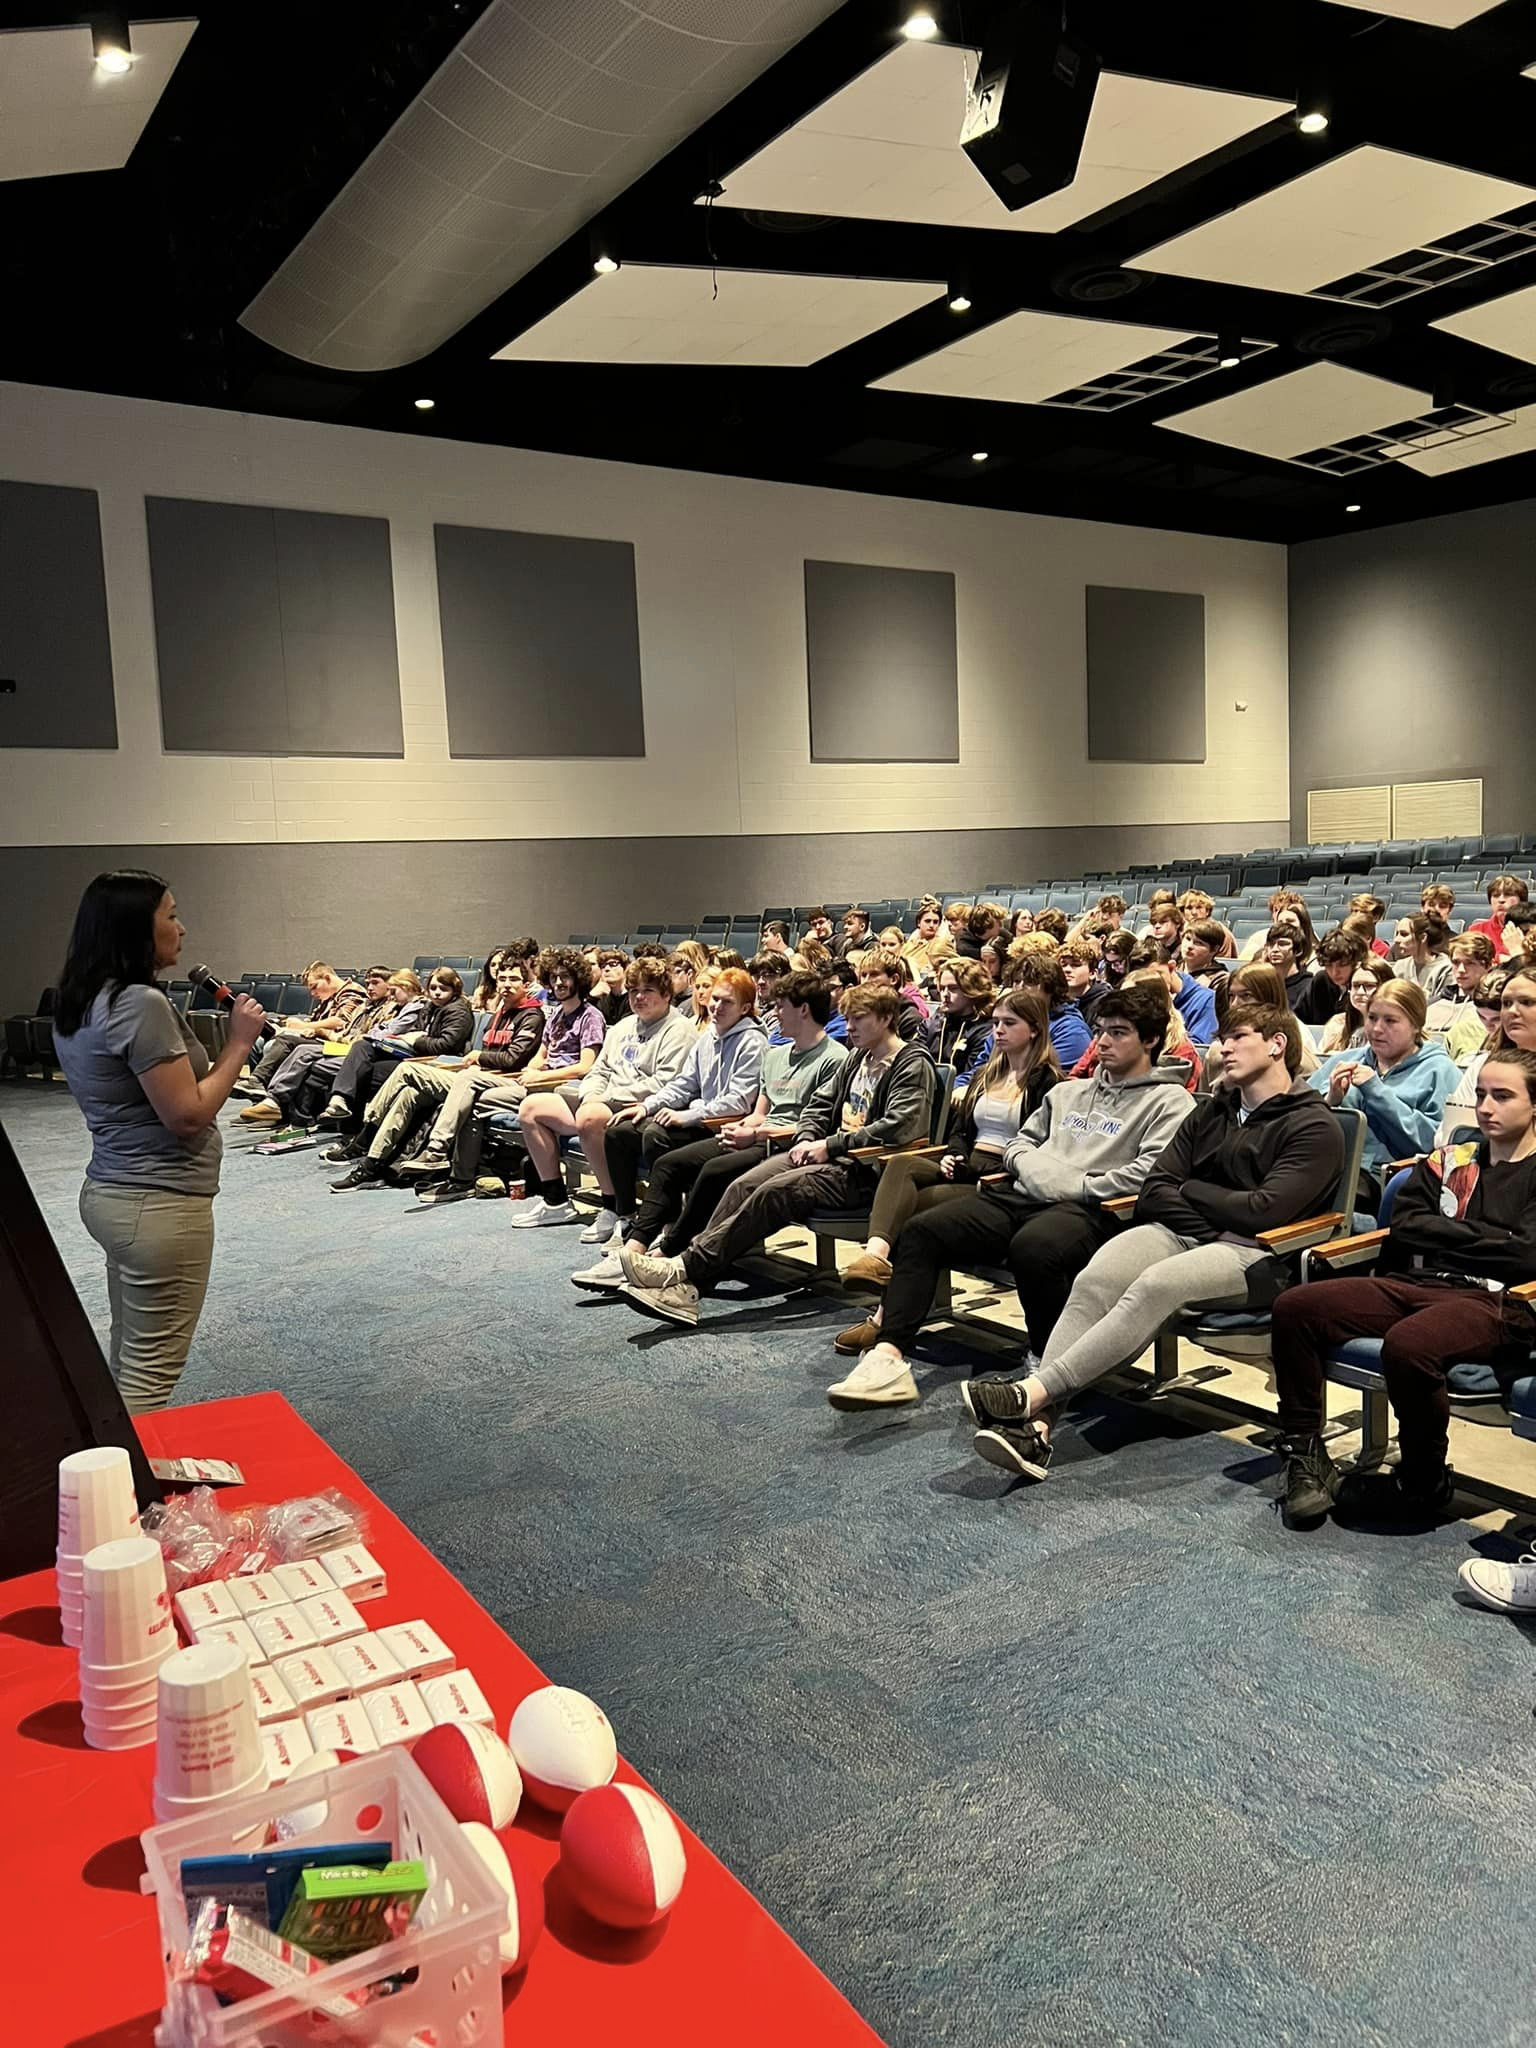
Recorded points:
525,1895
473,1772
564,1745
622,1856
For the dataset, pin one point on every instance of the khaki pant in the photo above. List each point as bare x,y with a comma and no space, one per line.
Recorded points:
159,1249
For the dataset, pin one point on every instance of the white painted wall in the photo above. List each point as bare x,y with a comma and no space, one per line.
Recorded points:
718,566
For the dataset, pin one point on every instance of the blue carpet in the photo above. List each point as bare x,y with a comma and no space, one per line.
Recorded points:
1111,1760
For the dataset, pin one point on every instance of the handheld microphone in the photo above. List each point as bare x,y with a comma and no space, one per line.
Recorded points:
222,993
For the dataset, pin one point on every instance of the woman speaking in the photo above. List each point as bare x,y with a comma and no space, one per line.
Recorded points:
150,1099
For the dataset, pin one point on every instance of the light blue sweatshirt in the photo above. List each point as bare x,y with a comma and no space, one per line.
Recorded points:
1403,1108
721,1077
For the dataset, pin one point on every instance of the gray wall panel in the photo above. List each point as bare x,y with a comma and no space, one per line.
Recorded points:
881,663
1146,674
54,642
269,906
1413,658
336,590
541,645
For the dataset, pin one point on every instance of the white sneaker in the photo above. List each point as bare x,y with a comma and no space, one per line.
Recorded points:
533,1215
601,1228
643,1269
605,1275
879,1380
1509,1588
676,1302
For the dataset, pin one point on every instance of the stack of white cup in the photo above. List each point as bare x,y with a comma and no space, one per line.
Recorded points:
208,1746
96,1505
128,1633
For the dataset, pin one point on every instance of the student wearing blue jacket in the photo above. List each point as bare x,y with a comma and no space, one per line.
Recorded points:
1034,964
1399,1083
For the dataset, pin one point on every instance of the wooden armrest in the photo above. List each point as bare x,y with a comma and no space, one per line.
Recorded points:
994,1180
1337,1247
1526,1291
896,1151
717,1123
1396,1165
1119,1205
1311,1230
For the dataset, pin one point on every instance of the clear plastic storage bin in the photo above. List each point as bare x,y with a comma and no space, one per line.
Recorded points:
455,2000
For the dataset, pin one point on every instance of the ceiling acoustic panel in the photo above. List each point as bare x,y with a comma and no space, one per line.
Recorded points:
1512,434
887,147
1508,324
59,112
1350,213
661,313
522,135
1028,357
1310,408
1433,13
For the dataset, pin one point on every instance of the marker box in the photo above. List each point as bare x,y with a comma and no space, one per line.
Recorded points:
313,1679
198,1605
257,1592
234,1631
344,1724
398,1713
420,1649
365,1662
274,1702
284,1744
332,1616
281,1631
300,1580
356,1572
455,1696
342,1910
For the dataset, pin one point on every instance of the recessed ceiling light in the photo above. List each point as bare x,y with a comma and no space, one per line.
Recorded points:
959,303
424,404
1351,508
978,455
920,27
1313,122
605,266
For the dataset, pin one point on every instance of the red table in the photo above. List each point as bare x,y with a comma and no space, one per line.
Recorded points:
719,1969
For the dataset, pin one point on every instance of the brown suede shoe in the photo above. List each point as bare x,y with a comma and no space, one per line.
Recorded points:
858,1338
867,1273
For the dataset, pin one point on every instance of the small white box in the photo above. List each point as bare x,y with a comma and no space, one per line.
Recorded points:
285,1744
198,1605
256,1592
365,1662
420,1649
342,1725
274,1702
313,1678
280,1631
356,1571
332,1616
234,1632
299,1580
457,1697
398,1713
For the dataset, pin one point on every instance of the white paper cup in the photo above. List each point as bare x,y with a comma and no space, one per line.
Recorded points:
111,1694
168,1806
209,1743
136,1716
127,1612
132,1736
96,1500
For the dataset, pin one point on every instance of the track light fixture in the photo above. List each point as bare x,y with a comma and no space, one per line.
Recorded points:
110,44
920,27
1229,351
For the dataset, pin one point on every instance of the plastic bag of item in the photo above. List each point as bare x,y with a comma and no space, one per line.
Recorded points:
314,1522
203,1539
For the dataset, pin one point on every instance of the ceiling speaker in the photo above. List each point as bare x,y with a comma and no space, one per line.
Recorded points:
1028,111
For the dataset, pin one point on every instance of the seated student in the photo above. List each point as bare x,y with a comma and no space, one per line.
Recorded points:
290,1086
776,938
1034,964
1471,958
686,1184
1438,899
1195,906
1200,952
1506,893
1399,1083
1260,1153
1259,985
1281,901
1463,1231
1108,911
1078,960
1088,1142
1504,1023
727,956
525,954
767,971
984,922
308,1078
643,1052
333,1005
610,993
926,951
991,960
955,915
1348,1027
483,995
959,1033
1339,953
817,957
1052,922
983,1123
1195,1003
881,1095
889,970
819,926
1419,953
447,1028
1179,1050
720,1077
855,933
505,1040
1020,925
1282,945
1370,910
687,960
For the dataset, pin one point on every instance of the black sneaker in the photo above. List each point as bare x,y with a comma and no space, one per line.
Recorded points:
1311,1481
996,1400
366,1174
349,1148
1020,1449
1389,1497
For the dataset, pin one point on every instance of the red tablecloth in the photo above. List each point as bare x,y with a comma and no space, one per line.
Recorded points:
85,1967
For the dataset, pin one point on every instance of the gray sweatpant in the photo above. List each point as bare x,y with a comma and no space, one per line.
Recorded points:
1128,1290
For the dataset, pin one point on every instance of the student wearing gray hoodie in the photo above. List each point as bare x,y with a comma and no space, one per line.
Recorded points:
720,1077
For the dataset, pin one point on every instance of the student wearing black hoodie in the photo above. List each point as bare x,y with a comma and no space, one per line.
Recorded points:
450,1025
1254,1156
1463,1233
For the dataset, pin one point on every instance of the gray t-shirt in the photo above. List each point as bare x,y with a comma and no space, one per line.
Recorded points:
102,1062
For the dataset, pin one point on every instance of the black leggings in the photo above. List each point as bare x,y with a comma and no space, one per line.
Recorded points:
687,1184
631,1148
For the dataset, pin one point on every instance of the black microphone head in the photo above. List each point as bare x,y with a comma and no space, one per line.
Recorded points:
200,977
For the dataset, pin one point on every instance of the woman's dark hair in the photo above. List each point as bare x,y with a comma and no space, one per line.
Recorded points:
568,960
449,978
112,945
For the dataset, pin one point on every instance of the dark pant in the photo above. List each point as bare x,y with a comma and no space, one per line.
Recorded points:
686,1186
1424,1327
363,1072
632,1148
1044,1245
763,1200
276,1050
308,1068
